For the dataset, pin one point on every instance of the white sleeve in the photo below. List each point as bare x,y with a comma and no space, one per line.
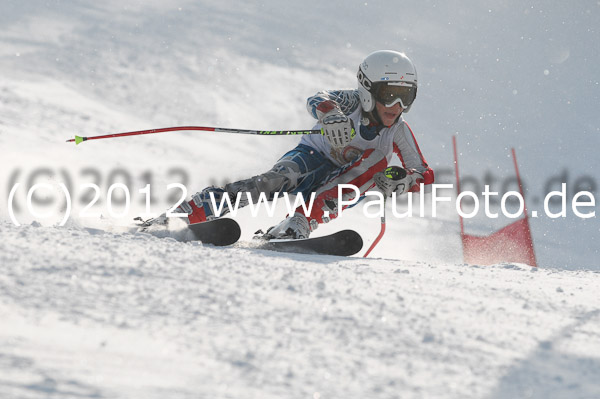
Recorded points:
407,149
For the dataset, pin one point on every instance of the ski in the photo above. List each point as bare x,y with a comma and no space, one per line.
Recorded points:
342,243
225,231
218,232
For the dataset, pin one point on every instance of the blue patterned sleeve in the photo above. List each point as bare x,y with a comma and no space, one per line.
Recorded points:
347,100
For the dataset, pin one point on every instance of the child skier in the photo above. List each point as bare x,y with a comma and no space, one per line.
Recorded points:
361,130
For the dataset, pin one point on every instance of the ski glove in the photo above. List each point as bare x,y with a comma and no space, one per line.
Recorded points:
336,127
395,179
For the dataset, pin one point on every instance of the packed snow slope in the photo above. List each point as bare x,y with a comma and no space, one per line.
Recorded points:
88,314
88,310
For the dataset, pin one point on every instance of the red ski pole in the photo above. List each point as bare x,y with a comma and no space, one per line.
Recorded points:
381,232
394,173
79,139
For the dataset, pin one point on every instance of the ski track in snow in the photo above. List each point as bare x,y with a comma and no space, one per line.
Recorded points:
87,313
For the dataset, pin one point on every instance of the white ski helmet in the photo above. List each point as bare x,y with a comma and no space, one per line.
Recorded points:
389,77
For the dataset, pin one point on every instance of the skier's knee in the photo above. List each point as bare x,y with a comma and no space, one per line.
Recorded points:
276,180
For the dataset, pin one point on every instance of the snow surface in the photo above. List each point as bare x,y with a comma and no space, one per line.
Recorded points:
93,314
89,310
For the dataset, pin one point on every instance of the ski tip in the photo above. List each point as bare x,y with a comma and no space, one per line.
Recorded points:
342,243
351,241
219,232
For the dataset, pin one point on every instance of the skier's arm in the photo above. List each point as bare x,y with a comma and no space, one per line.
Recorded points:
346,100
407,149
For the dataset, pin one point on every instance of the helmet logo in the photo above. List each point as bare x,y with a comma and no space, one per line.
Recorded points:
363,80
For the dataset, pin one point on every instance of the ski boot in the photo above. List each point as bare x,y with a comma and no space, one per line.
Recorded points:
198,210
294,227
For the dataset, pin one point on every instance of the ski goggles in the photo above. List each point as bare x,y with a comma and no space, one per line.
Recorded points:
391,93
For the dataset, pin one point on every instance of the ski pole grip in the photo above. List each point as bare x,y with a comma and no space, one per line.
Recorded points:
395,173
